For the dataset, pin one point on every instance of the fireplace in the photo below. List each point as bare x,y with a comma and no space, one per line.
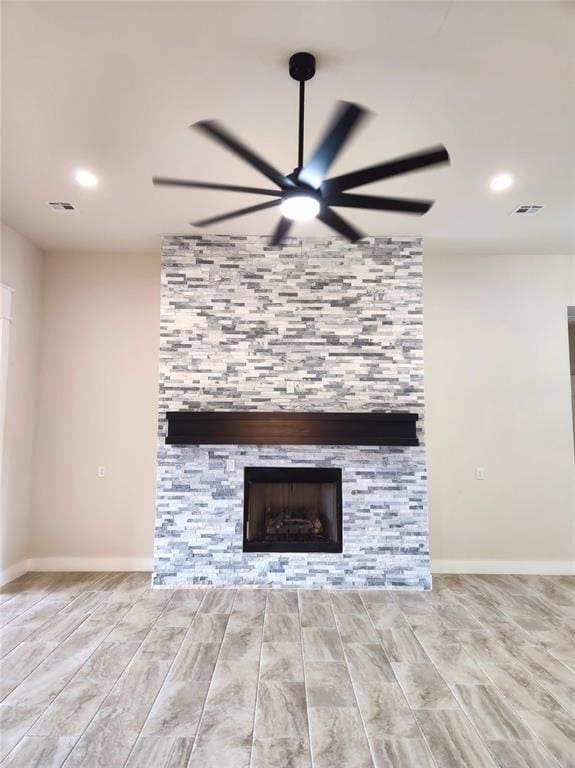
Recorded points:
242,385
292,510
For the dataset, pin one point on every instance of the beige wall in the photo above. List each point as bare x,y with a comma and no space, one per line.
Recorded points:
498,396
572,360
20,268
97,407
497,385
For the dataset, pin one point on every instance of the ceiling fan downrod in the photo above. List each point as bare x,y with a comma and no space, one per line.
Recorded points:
301,68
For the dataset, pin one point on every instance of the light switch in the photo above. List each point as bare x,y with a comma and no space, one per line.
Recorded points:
480,473
101,471
230,465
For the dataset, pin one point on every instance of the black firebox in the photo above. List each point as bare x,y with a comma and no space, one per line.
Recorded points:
292,509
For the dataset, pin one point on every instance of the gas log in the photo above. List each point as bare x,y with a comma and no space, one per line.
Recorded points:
293,521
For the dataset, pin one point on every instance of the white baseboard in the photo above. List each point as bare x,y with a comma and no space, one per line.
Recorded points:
91,564
13,571
516,567
67,564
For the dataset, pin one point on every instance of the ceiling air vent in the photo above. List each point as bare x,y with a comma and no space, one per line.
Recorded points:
63,207
527,210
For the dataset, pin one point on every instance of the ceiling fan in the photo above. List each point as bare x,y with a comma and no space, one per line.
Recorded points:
306,193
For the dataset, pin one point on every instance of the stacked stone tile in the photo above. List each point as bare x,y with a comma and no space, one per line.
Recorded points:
315,325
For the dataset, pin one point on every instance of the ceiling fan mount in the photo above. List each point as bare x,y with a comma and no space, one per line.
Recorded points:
302,66
306,193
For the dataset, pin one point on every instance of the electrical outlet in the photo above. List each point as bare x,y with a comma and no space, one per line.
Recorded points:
480,473
290,387
101,471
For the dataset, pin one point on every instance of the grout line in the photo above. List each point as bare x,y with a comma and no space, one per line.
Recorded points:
258,680
559,661
436,610
12,624
537,644
508,702
459,708
351,677
124,671
307,707
87,616
50,619
73,676
6,604
398,683
201,718
90,587
160,689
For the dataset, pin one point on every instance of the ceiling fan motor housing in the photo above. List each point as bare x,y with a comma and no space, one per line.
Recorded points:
302,189
302,66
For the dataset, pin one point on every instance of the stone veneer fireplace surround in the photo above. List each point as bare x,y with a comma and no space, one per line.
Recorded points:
316,325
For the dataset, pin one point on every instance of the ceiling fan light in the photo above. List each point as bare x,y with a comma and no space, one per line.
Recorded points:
300,207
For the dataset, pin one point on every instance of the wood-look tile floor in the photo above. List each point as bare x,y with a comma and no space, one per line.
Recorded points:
99,670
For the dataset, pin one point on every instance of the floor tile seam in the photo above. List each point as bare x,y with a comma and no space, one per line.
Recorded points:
481,665
207,696
461,709
120,676
45,623
365,733
258,681
43,712
530,673
540,595
307,706
21,589
566,665
172,663
410,628
517,713
18,615
56,648
511,596
61,763
524,668
398,682
89,615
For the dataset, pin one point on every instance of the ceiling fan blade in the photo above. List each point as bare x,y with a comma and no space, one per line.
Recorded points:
281,231
163,181
223,136
234,214
399,204
395,167
335,221
346,119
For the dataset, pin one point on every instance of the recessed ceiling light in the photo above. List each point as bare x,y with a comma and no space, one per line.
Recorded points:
501,182
85,178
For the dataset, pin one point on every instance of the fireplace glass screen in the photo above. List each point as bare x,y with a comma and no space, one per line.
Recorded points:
292,510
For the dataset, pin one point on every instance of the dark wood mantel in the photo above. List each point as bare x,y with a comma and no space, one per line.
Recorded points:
290,428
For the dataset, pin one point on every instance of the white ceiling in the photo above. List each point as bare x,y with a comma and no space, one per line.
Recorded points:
113,87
